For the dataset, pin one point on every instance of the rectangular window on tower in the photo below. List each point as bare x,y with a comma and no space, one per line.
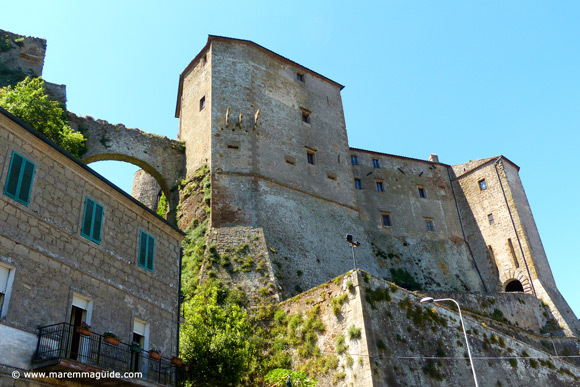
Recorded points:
422,192
386,219
357,184
380,187
430,227
482,185
376,163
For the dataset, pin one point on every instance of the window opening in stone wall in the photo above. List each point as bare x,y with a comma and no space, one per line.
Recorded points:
422,192
92,220
80,313
202,103
310,157
429,225
380,187
138,340
300,77
482,185
357,184
376,163
233,146
305,117
19,180
513,253
146,251
386,219
514,286
204,59
354,160
490,219
6,276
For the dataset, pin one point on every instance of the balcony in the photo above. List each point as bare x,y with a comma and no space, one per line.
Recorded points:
61,348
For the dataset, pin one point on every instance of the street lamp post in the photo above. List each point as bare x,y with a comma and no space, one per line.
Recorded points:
349,238
430,299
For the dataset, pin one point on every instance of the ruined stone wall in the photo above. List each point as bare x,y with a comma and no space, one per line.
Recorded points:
52,261
145,189
20,56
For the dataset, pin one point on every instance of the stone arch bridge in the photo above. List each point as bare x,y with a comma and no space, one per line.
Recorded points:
160,157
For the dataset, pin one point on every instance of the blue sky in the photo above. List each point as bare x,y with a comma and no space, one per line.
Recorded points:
462,79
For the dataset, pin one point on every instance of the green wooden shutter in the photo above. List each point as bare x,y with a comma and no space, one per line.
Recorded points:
97,223
146,250
11,187
19,181
92,221
26,181
88,218
143,249
150,252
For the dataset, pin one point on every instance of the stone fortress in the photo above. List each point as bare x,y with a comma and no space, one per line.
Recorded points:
273,135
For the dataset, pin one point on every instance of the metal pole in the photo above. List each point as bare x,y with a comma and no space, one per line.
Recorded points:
464,334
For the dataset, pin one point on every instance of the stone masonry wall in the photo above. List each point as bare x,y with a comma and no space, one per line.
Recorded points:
52,261
273,144
423,345
354,364
508,247
20,56
195,121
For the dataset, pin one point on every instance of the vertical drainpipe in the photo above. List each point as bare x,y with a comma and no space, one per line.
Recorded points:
514,225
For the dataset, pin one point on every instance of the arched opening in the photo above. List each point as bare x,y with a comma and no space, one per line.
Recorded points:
134,181
117,172
514,286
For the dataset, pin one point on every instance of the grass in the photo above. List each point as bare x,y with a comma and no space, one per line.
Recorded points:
354,332
341,347
337,303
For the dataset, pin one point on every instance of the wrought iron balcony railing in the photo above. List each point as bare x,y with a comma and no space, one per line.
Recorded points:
64,341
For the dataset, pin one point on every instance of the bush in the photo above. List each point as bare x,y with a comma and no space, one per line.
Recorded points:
29,102
277,378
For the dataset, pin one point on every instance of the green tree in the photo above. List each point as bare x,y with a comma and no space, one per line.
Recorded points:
29,102
214,340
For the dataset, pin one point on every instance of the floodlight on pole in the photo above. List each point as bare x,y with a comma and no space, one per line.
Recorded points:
430,299
349,238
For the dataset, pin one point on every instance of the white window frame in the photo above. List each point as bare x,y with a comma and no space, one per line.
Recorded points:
8,290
